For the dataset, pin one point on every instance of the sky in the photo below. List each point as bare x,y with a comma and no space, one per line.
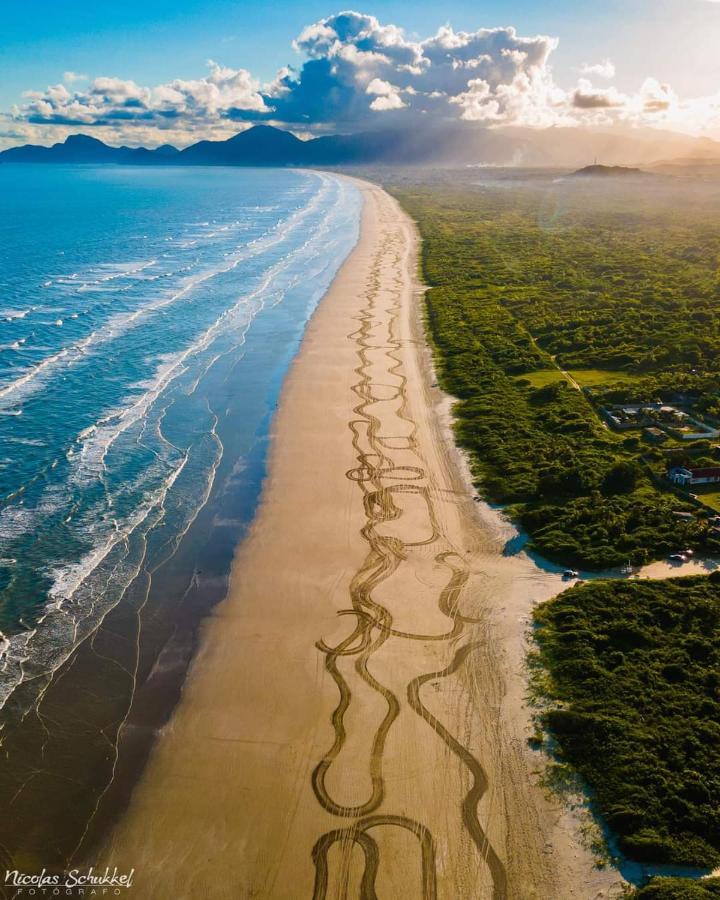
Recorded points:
155,71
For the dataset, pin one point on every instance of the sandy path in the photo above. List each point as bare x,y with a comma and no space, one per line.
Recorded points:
353,725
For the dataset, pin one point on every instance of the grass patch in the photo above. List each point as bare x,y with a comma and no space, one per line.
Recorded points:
710,497
601,377
541,377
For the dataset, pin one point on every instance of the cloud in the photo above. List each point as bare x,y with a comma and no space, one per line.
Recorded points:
72,77
491,75
356,72
604,69
585,96
387,96
657,97
106,100
14,131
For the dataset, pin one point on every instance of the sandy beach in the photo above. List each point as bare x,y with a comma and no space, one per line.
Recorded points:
354,723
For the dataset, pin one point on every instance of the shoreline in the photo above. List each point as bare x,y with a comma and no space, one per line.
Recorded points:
365,513
76,741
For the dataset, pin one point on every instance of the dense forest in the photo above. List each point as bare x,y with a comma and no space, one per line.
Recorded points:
632,670
538,289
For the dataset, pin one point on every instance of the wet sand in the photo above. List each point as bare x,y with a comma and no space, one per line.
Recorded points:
354,723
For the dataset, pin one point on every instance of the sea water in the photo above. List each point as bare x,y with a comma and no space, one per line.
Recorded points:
147,316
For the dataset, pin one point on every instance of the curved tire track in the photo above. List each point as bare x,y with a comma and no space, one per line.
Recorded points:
373,623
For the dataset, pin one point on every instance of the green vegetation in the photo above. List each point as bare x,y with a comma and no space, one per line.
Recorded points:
541,377
632,672
594,378
678,889
620,290
709,496
548,303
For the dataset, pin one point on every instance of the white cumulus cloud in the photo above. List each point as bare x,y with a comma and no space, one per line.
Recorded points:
357,72
106,100
604,69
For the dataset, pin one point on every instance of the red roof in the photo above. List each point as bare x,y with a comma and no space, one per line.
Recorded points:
706,473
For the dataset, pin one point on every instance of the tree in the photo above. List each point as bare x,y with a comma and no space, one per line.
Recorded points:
621,478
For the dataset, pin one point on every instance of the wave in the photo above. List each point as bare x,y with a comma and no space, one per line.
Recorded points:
84,591
14,345
68,579
117,270
10,315
96,440
120,323
37,653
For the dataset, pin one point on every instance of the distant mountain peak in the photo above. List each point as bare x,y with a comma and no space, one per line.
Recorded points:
263,133
85,140
261,129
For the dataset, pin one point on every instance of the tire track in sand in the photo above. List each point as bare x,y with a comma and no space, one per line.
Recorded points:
384,482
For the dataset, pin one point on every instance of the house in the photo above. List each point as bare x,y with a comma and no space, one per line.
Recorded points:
680,476
685,477
676,422
670,414
706,476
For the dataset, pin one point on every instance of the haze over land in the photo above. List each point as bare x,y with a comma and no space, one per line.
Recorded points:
441,145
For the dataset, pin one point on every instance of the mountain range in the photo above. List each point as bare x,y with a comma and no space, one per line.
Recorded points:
449,144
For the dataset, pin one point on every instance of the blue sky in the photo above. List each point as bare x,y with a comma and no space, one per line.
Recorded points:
152,42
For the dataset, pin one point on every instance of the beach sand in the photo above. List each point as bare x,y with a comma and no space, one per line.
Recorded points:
356,711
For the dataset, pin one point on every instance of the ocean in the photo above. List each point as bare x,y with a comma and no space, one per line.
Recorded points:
147,319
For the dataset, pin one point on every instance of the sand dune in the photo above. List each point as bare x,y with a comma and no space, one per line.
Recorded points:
353,725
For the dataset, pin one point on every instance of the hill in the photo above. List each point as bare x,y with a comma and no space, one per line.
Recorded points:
597,171
80,148
261,145
438,144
